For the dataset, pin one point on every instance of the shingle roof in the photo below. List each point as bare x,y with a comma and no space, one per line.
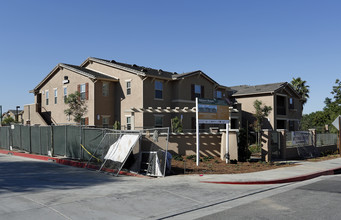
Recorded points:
147,71
257,89
14,111
140,70
86,72
80,70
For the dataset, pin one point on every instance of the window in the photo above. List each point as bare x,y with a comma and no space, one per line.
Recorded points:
55,96
158,89
291,103
105,121
128,88
234,123
65,94
105,88
47,97
128,123
82,91
158,121
219,95
281,124
85,121
281,105
197,91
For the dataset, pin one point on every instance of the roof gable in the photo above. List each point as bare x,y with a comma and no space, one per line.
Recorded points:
197,72
246,90
79,70
132,68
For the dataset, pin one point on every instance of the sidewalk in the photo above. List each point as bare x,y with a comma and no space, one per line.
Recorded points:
303,171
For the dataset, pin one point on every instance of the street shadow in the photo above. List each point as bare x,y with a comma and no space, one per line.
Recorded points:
24,176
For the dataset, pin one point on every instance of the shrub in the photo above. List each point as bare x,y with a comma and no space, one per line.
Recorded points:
178,157
208,158
233,161
191,157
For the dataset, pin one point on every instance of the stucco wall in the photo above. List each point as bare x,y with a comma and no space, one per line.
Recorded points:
104,105
31,116
124,101
249,110
56,82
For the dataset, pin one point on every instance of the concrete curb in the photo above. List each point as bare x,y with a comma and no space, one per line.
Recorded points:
279,181
65,162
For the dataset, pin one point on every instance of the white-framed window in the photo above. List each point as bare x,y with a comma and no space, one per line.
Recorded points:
219,95
128,122
65,94
82,91
105,88
47,97
158,119
291,103
55,96
158,89
128,85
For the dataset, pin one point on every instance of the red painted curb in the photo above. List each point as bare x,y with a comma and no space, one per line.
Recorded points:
65,162
278,181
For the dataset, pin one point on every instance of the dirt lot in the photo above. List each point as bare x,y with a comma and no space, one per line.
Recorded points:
214,165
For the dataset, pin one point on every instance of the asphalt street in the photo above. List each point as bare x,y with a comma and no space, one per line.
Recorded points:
317,200
32,189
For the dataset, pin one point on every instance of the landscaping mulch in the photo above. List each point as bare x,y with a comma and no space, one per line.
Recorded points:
214,165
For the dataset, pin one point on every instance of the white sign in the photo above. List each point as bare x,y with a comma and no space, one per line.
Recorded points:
336,122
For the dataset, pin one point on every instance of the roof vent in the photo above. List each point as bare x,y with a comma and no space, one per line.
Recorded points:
160,70
175,73
113,61
134,65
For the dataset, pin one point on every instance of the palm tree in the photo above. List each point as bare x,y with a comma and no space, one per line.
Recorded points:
301,88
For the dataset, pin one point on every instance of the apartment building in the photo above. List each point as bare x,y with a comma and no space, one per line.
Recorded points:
285,102
136,96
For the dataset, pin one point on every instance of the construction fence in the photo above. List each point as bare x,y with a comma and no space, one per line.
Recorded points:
284,144
66,141
86,144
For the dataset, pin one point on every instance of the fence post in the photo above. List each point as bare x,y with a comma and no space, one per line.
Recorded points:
52,144
65,142
266,145
81,141
20,139
283,142
40,148
313,134
30,140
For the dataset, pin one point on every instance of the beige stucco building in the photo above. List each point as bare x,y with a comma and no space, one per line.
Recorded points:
141,97
136,96
285,102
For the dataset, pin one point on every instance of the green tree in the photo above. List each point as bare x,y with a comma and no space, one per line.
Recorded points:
261,112
7,121
117,125
176,125
301,88
332,109
77,107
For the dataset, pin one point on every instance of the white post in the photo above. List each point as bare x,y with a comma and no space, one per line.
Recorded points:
197,129
227,142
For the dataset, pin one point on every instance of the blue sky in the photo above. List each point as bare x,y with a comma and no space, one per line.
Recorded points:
234,41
